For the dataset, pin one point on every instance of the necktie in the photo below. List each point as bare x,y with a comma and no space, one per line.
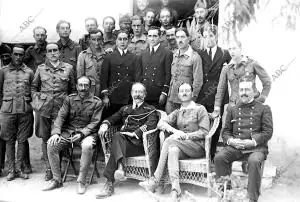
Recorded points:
152,51
123,52
210,54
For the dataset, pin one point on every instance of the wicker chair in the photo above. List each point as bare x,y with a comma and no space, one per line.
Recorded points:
196,171
137,167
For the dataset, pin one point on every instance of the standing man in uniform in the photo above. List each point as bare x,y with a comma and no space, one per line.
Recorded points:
149,19
52,82
213,59
90,24
109,37
36,55
156,69
5,59
120,69
139,41
198,25
186,68
248,128
90,61
16,117
76,123
137,118
69,50
171,38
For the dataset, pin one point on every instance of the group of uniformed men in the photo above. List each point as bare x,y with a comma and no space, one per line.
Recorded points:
72,87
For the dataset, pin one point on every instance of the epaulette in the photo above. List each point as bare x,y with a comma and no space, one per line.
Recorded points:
73,94
148,108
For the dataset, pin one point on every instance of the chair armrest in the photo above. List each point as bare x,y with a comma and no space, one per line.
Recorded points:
214,125
151,149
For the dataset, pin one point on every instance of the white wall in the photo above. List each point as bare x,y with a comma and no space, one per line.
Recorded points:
47,13
274,46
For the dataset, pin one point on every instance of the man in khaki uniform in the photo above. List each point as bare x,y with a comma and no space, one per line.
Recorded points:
52,82
76,123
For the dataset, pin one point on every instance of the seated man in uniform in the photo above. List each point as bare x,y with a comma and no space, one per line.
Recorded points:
247,130
76,123
137,118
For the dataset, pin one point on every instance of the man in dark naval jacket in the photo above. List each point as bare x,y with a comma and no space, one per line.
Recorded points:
156,69
76,123
136,118
247,130
213,59
119,70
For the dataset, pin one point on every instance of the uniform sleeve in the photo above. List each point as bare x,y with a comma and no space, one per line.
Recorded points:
61,117
27,56
36,83
265,80
267,127
150,124
197,75
115,119
1,85
80,64
228,128
95,120
222,87
169,122
72,83
105,73
203,125
168,63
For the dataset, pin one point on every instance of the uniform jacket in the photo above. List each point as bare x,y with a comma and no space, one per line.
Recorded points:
77,114
90,65
136,46
15,94
156,72
186,68
232,73
50,86
69,52
249,121
118,74
138,120
34,56
211,74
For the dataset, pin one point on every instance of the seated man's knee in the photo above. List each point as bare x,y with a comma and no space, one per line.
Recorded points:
88,143
219,157
256,158
173,150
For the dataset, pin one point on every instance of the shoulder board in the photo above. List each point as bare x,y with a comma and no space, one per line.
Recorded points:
148,108
42,65
73,94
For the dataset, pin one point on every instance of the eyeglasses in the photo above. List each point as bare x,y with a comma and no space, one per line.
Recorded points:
18,54
54,50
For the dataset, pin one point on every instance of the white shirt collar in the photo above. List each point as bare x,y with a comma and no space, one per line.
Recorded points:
188,52
192,105
155,47
121,51
138,105
54,64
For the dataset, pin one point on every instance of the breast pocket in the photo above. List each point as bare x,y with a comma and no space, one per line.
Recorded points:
7,105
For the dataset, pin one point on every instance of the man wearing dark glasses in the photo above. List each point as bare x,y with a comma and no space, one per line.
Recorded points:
16,117
52,82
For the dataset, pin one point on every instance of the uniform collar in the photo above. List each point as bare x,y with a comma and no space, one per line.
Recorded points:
22,67
192,105
155,47
91,54
142,38
121,51
232,64
40,48
138,105
49,65
187,53
89,98
70,44
113,39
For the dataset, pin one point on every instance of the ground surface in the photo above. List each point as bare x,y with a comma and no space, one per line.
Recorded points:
286,188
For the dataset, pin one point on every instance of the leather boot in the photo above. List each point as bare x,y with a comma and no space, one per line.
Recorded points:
107,191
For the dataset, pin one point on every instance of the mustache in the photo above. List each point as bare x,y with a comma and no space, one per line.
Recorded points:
244,95
138,97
